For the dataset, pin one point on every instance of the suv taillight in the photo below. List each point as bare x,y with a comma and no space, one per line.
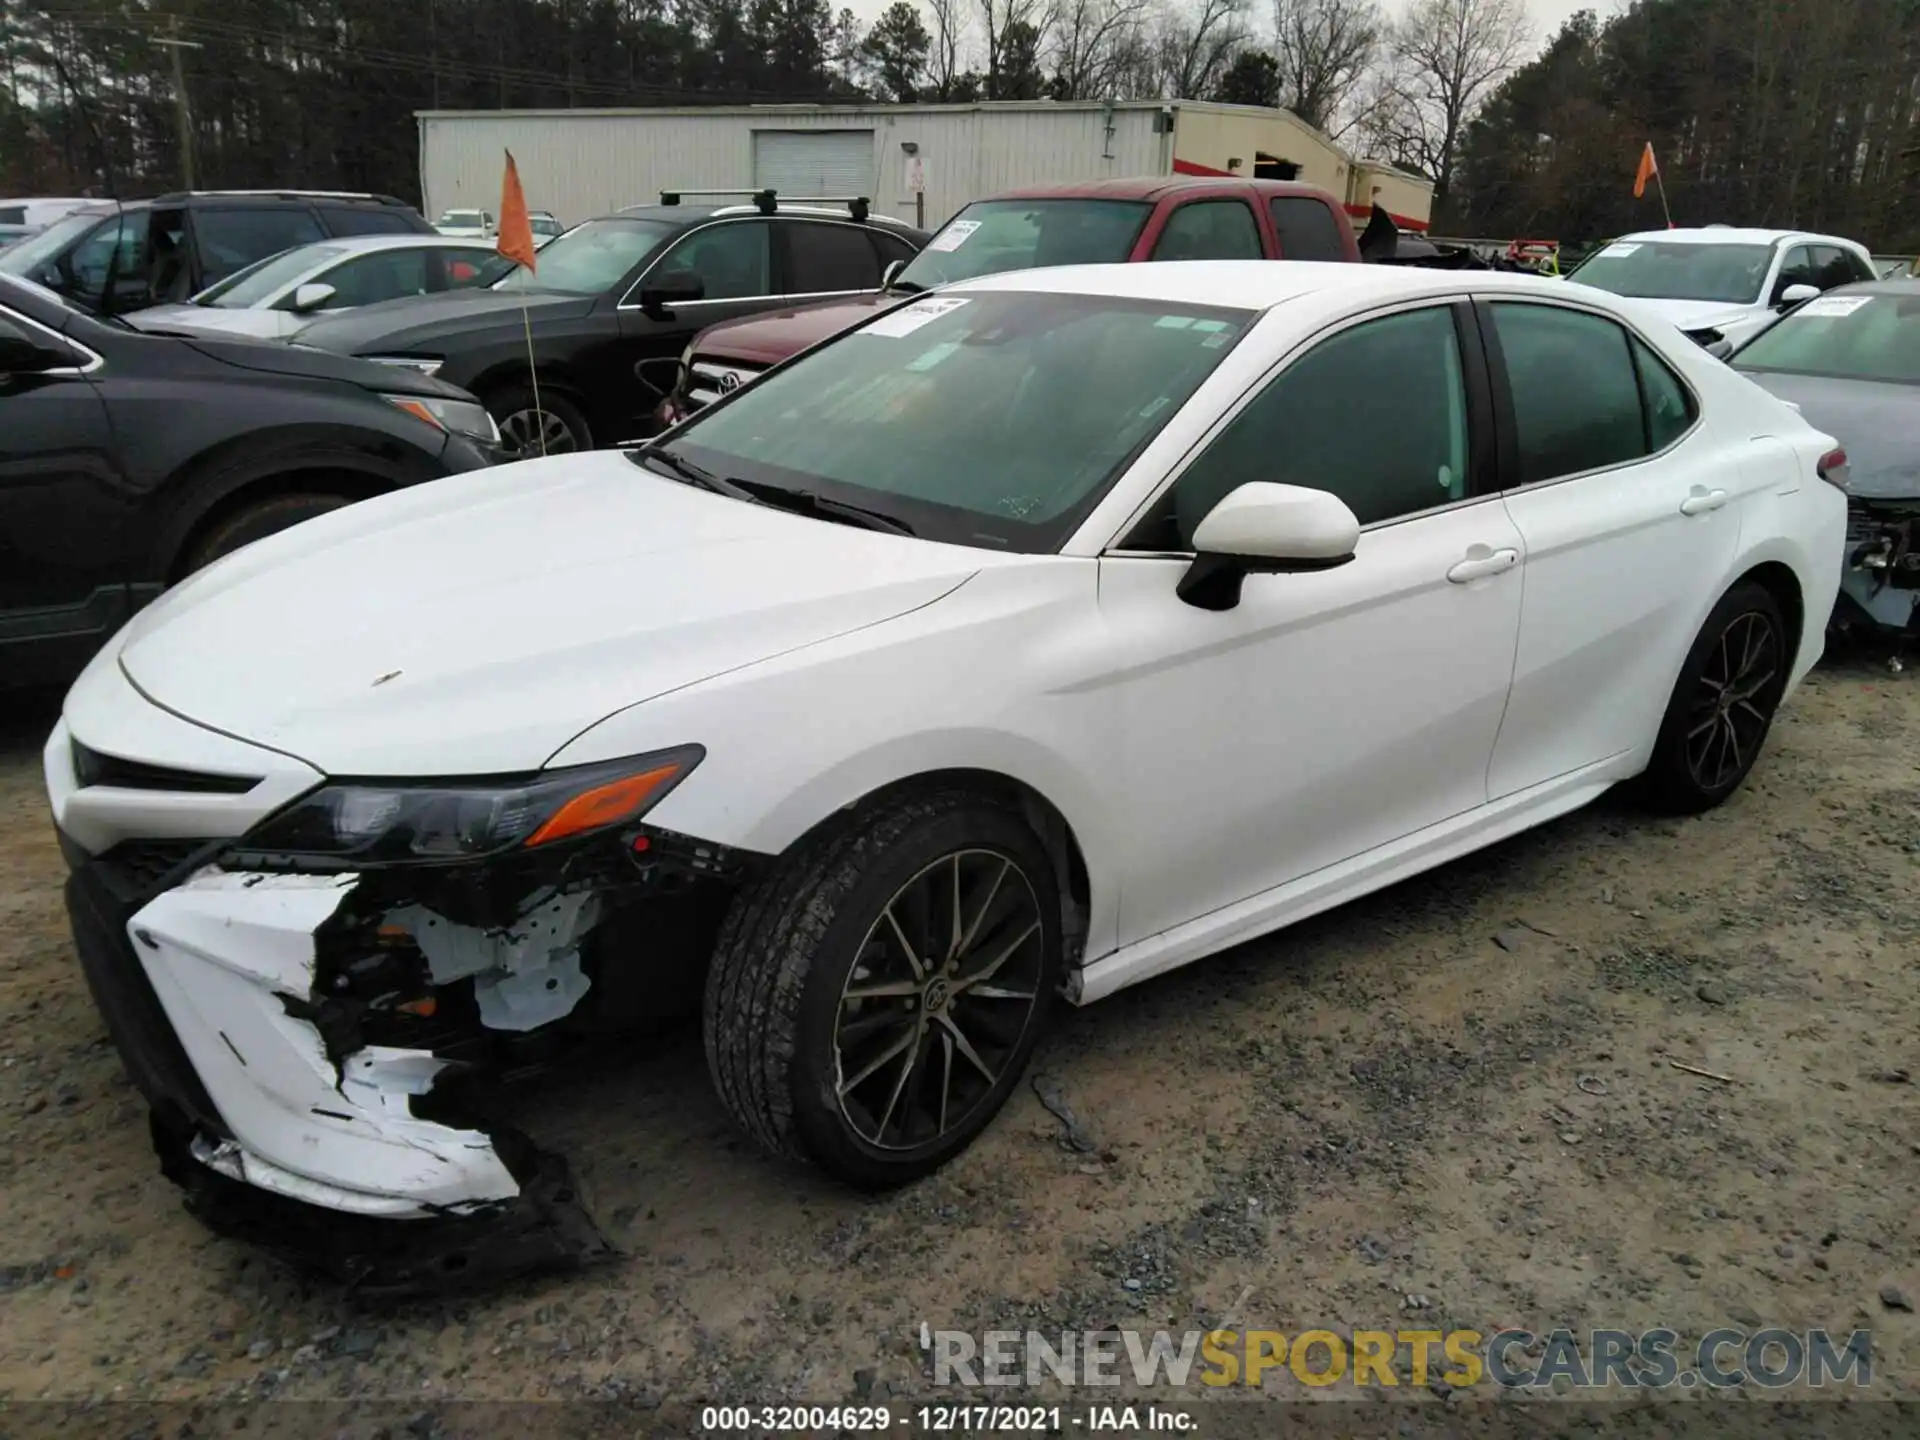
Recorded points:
1832,468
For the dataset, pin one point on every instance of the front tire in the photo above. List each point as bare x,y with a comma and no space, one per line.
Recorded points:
554,425
256,522
1723,704
873,1002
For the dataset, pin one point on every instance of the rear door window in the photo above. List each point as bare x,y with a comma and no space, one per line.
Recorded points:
1576,393
824,258
1210,230
1306,228
230,238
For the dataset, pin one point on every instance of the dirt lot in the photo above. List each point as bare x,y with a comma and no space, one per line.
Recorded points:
1455,1104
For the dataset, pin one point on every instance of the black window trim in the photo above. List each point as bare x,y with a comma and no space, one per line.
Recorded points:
1481,430
785,265
1509,467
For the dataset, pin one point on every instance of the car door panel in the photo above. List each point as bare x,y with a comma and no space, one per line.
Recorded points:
1327,714
1597,657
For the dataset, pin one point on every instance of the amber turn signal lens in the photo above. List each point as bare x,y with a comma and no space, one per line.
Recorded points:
603,805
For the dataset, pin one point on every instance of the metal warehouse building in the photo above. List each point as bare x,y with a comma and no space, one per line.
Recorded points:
914,161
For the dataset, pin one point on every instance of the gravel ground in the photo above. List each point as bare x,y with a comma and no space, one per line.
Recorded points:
1457,1103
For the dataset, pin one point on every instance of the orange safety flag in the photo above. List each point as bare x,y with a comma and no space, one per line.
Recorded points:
1647,171
515,239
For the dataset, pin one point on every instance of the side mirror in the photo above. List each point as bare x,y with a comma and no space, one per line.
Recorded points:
671,287
1262,528
1794,294
21,354
891,273
311,296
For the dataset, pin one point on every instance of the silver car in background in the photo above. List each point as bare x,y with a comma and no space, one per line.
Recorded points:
274,297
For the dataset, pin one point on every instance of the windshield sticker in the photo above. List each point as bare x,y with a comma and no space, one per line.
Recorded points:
1619,251
934,356
1213,342
954,236
1835,304
906,320
1210,327
1173,322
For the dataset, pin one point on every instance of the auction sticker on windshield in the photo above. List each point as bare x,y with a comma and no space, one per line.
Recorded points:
954,236
1835,304
909,318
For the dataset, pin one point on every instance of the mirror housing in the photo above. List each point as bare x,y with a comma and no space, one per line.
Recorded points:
1261,528
1795,294
311,296
21,354
672,287
891,273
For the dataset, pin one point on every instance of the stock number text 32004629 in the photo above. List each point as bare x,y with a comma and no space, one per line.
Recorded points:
926,1419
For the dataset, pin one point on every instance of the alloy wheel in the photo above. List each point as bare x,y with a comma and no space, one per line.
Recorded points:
1733,704
944,987
524,430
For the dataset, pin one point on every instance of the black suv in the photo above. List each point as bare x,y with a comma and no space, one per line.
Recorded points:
113,258
612,294
129,460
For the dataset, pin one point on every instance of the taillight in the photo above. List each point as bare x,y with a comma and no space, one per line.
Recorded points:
1832,468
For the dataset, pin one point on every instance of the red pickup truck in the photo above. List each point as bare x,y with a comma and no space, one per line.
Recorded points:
1102,222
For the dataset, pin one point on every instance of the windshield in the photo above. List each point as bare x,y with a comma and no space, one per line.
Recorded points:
994,236
589,259
998,418
1676,270
1849,337
266,278
35,254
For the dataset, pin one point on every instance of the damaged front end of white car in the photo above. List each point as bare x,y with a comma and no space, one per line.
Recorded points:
319,1011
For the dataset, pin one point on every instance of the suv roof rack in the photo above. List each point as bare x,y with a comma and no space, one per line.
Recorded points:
174,195
767,202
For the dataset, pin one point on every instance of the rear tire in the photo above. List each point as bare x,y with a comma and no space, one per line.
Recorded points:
522,422
256,522
1723,704
852,1021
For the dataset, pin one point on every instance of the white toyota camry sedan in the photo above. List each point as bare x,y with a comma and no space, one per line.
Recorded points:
1036,638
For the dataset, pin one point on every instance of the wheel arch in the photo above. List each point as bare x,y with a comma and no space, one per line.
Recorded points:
559,376
1780,581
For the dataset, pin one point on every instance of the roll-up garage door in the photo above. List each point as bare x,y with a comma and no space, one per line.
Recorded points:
814,162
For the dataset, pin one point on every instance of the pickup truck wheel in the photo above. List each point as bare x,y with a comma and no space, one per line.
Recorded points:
874,1001
551,426
256,522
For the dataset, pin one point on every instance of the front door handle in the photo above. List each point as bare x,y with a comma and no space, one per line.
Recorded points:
1478,567
1701,501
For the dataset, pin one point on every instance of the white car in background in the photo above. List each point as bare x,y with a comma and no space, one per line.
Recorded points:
544,227
1722,285
1029,640
466,224
21,218
273,298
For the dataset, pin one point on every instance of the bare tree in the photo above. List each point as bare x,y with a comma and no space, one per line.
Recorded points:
1094,43
1444,57
1193,49
949,39
1013,20
1324,48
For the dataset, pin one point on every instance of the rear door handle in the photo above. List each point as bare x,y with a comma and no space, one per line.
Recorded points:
1701,501
1478,567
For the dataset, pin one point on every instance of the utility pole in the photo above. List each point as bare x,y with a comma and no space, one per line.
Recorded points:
183,111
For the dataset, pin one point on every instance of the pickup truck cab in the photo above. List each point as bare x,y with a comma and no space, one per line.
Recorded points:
1097,223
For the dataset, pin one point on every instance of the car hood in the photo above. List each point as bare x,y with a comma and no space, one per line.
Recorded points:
1877,423
1702,314
773,336
415,322
213,320
475,625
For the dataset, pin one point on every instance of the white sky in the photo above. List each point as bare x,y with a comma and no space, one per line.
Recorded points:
1547,16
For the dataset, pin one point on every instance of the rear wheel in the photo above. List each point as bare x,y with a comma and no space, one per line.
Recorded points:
257,521
550,425
1723,704
874,1001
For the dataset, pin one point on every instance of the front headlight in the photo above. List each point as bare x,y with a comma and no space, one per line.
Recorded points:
425,364
375,825
462,417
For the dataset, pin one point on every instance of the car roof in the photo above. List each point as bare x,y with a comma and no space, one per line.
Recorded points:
1726,235
1149,187
691,214
1262,284
360,244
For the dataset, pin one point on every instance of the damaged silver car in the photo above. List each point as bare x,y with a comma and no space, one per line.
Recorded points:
1850,363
